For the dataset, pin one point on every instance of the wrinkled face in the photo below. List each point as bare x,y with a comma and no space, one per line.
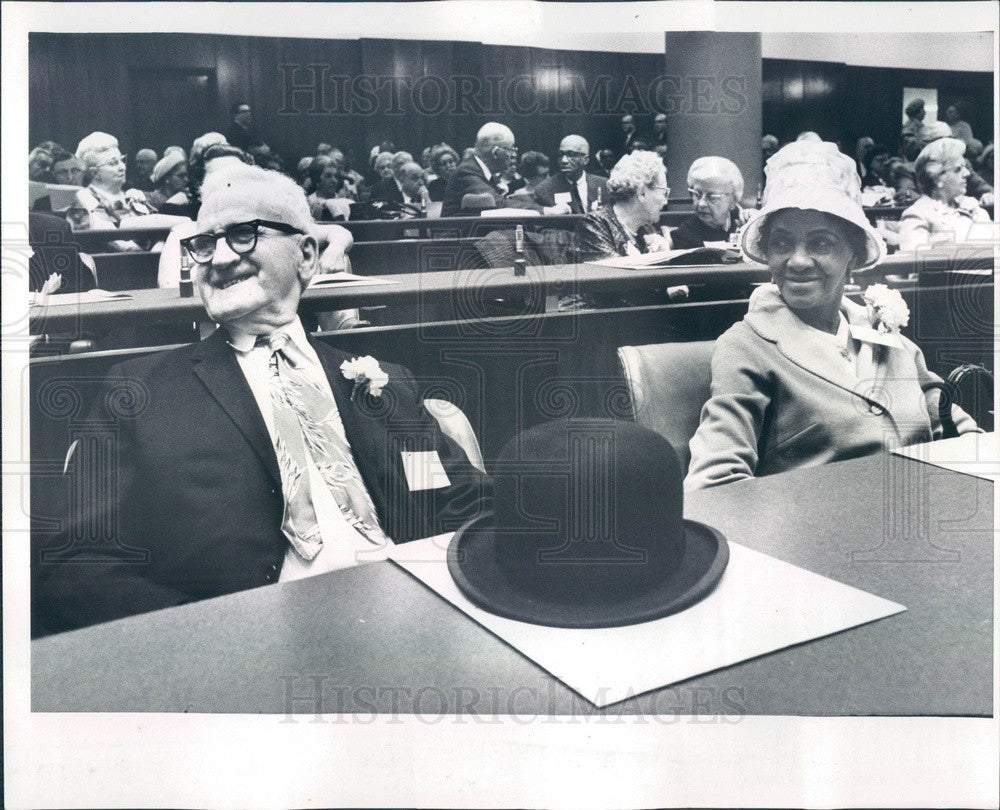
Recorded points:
572,157
411,180
652,198
384,166
713,199
109,171
810,258
39,166
177,179
503,156
446,165
952,181
68,172
260,289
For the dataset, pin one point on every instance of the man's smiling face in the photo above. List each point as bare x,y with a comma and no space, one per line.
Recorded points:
260,289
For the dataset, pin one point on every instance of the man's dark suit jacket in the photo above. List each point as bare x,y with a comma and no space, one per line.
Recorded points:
545,194
245,139
468,179
387,190
197,502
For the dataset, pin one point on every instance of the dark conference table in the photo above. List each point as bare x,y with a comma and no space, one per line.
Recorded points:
467,290
373,638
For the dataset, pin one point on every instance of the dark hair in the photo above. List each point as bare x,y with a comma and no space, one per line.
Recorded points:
856,238
439,152
530,163
914,107
196,165
873,152
316,169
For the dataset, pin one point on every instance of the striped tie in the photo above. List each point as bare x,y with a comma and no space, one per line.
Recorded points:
305,420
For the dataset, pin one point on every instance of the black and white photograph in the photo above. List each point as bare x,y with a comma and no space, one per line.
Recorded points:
499,404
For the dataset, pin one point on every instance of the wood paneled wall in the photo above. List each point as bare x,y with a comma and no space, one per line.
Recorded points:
356,93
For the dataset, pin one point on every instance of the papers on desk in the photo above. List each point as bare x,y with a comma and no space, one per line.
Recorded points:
89,297
760,605
322,280
975,454
672,258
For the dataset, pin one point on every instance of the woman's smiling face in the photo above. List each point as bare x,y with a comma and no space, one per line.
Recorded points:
810,256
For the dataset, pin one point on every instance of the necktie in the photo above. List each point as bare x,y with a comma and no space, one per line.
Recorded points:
576,204
304,421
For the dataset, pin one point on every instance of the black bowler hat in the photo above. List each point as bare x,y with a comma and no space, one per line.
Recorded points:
588,530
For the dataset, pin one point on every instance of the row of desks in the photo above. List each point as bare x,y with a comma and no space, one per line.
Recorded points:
466,290
445,227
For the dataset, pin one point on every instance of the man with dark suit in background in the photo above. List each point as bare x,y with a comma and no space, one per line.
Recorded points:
257,454
629,134
572,190
241,132
659,131
480,174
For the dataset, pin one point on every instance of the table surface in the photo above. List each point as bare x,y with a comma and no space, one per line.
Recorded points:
459,286
373,638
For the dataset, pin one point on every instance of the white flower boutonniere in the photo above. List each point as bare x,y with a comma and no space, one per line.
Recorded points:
887,311
366,374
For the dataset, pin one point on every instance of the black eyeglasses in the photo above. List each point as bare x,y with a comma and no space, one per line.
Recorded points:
241,238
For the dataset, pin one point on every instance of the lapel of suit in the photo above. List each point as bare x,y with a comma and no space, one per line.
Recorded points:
775,322
214,363
364,431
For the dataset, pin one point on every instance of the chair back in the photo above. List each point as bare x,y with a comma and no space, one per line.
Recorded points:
456,426
668,384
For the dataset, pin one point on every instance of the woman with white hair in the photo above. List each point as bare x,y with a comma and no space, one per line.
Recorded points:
104,198
808,376
944,213
716,186
636,192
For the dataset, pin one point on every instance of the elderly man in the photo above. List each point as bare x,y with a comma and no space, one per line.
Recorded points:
572,190
479,174
629,134
257,455
66,169
716,186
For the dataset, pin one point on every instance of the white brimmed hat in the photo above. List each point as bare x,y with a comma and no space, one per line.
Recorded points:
813,176
165,165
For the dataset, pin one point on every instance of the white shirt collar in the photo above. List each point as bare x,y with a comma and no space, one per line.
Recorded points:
484,167
243,342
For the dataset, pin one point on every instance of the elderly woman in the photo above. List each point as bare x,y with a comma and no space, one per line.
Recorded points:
104,198
716,186
944,213
809,377
327,201
444,161
170,180
533,168
636,192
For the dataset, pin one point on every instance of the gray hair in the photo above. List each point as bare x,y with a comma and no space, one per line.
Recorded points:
493,134
930,162
279,197
632,172
89,150
713,167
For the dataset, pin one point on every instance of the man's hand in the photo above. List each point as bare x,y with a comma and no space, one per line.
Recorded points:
334,243
986,199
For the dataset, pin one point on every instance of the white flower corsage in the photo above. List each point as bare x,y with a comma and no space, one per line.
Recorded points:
887,311
366,374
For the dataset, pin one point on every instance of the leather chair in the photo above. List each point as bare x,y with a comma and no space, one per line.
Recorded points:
668,384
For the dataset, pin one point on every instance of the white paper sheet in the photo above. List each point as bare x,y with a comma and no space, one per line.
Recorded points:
760,605
89,297
975,454
343,277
